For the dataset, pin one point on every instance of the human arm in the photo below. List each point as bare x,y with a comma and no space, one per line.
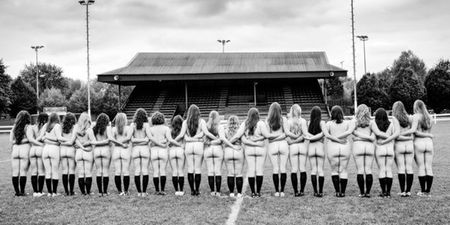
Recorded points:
350,129
423,134
249,142
239,133
361,137
182,131
170,139
327,134
396,126
30,136
414,125
264,131
287,131
206,131
376,130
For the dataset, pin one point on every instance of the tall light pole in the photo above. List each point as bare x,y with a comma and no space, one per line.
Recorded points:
354,63
36,49
223,42
364,38
87,3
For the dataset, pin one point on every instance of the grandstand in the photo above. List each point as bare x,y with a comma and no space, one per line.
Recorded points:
230,83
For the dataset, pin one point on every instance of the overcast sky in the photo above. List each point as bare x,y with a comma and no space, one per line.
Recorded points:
121,28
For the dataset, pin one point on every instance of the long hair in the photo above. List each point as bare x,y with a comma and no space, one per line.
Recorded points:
274,117
192,120
314,120
362,116
84,122
158,118
382,120
102,122
120,121
295,114
41,120
421,108
233,125
140,117
337,114
213,123
69,121
176,125
252,120
399,112
53,119
23,118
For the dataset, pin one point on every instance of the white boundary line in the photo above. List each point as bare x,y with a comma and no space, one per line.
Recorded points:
5,161
236,207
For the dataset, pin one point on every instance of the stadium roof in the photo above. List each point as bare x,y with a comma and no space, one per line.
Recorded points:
213,66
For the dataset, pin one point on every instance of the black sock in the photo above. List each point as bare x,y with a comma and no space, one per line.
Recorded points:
88,183
175,183
105,185
191,181
422,183
314,182
118,183
321,181
126,183
283,179
360,181
55,185
156,183
294,182
239,184
34,183
65,181
335,180
409,182
429,181
276,182
145,179
343,185
41,181
22,184
369,182
99,184
48,183
137,182
259,182
181,182
218,183
230,182
197,179
71,183
401,181
211,183
251,182
388,185
15,182
303,178
82,185
163,183
383,185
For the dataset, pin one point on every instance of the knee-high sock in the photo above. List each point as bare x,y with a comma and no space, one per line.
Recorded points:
401,181
126,183
156,183
137,182
383,185
211,183
409,182
218,183
15,182
251,183
145,179
22,184
276,182
99,184
343,183
198,180
181,183
34,183
321,181
283,178
230,182
314,182
429,181
191,181
118,183
388,185
105,185
360,181
163,183
88,183
55,185
239,184
294,182
369,182
259,182
303,178
71,183
41,181
48,183
65,181
175,182
335,180
82,185
422,183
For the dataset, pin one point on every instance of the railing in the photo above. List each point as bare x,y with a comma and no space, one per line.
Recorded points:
5,129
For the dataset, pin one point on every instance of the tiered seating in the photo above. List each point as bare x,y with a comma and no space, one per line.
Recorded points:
175,97
141,97
307,94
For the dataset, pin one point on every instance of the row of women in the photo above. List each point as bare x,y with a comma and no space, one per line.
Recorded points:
49,144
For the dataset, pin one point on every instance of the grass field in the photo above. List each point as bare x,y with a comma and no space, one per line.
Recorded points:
205,209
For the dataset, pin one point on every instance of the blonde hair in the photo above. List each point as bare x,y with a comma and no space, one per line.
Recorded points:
362,116
120,122
295,114
213,123
399,112
233,125
84,122
425,120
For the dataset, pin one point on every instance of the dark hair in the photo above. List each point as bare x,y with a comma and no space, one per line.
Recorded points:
314,121
192,120
23,118
52,120
140,117
381,119
337,114
41,120
274,118
68,122
252,120
158,118
101,124
176,124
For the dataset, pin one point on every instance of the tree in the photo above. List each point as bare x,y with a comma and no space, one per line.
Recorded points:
407,87
5,90
50,77
409,60
370,93
52,97
73,85
437,84
335,88
385,79
23,97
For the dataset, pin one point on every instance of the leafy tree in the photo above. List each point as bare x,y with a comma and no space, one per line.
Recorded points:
407,87
409,60
50,77
73,85
334,86
23,97
52,97
5,90
370,93
437,84
385,79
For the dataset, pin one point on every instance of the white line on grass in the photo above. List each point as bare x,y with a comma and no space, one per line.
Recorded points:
5,161
236,207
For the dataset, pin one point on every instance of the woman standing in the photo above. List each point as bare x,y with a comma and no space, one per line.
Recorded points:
298,150
176,157
316,151
193,130
120,138
102,151
140,152
423,146
67,152
20,149
37,166
84,155
363,150
50,154
234,157
214,153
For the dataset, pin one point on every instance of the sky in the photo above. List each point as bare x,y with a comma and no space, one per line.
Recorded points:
121,28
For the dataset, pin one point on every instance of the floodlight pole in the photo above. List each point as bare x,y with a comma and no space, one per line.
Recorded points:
354,63
223,42
364,38
87,3
36,49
